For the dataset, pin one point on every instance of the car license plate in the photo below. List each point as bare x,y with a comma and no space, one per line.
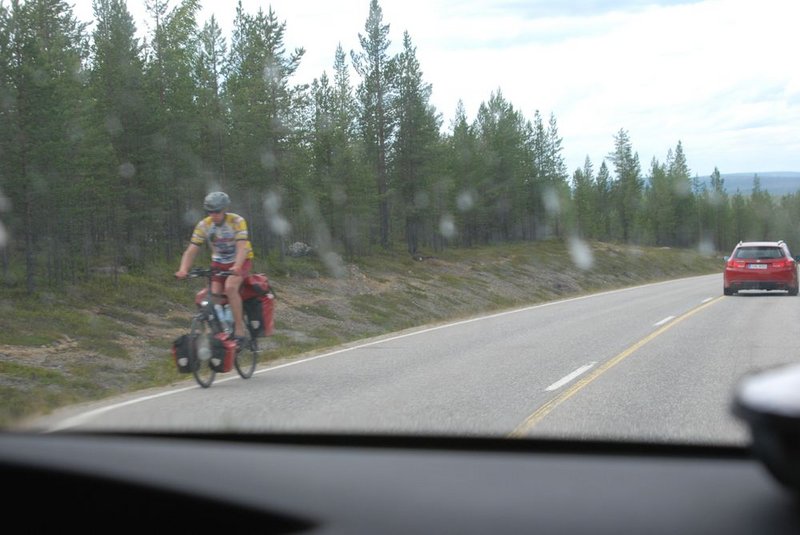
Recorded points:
757,266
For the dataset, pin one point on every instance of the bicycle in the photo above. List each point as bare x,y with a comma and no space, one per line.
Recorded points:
211,345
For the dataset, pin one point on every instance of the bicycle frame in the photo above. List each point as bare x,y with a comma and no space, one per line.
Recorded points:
206,310
207,325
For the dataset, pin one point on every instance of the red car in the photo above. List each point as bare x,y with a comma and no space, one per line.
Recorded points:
760,265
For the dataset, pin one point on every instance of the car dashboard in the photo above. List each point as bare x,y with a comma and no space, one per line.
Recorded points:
388,484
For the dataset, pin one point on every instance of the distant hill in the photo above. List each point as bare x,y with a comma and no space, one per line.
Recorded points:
776,183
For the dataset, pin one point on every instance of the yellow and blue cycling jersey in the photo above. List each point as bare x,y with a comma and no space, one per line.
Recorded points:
222,238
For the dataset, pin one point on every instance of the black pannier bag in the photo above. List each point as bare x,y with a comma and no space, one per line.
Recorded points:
184,351
259,312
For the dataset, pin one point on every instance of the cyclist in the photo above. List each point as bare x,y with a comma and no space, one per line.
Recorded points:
227,237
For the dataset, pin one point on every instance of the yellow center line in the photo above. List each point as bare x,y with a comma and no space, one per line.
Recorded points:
530,422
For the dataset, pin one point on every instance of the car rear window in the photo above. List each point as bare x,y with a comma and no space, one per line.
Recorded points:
759,252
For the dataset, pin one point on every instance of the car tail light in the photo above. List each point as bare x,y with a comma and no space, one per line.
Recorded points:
736,264
783,263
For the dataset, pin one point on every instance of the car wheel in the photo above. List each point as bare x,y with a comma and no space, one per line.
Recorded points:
793,290
727,291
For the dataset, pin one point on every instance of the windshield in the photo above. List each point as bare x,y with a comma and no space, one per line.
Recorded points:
376,216
760,252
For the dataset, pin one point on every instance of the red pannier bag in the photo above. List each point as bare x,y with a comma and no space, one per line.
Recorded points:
223,352
258,301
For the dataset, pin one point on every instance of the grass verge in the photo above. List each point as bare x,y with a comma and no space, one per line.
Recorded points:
99,339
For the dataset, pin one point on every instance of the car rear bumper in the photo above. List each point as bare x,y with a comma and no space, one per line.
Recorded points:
746,279
759,285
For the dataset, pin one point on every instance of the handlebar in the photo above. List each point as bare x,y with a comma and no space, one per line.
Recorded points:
207,272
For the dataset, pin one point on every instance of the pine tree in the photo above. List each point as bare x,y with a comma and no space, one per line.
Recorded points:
549,192
542,203
6,135
556,177
505,155
742,218
761,208
414,146
118,88
606,212
720,205
463,168
210,69
262,122
44,52
629,184
584,200
352,195
169,188
684,209
322,146
376,95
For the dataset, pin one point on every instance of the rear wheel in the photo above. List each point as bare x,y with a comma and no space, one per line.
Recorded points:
247,358
203,373
727,291
793,291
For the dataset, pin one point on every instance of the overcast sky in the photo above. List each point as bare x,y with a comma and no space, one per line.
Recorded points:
721,76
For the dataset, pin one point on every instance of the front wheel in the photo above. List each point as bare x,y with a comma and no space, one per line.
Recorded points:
203,373
247,358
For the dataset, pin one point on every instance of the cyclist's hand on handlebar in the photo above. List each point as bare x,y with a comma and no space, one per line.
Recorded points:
181,274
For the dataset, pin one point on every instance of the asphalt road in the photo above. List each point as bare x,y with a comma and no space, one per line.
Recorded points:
657,363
